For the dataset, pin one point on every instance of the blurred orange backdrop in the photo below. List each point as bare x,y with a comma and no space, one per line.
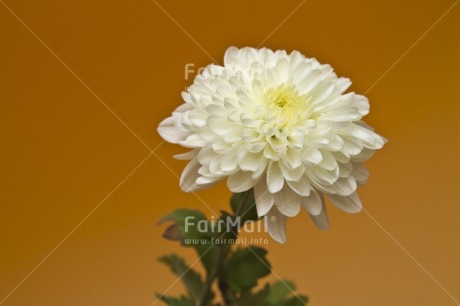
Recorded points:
64,151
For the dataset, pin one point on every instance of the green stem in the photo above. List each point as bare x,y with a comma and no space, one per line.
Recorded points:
212,275
243,203
224,291
217,271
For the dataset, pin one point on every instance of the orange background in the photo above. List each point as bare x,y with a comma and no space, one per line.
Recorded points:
63,152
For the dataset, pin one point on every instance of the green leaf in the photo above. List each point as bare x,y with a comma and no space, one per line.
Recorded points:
191,279
235,201
299,300
173,232
186,226
191,232
225,229
248,211
248,298
282,294
208,255
246,266
172,301
280,291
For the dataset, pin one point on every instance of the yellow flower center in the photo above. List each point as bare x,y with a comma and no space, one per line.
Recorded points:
286,105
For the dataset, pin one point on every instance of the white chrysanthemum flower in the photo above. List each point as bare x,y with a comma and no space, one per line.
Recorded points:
281,124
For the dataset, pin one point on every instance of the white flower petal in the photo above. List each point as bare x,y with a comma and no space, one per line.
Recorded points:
343,114
362,103
312,203
321,221
189,176
312,155
360,173
206,182
216,110
231,56
206,155
250,135
271,154
341,157
287,201
240,181
351,146
293,158
322,91
345,169
308,82
301,187
257,147
363,156
345,186
302,70
249,161
229,161
283,70
193,141
218,125
188,155
369,138
168,130
350,204
261,169
322,176
183,108
335,143
198,118
328,162
264,199
275,179
292,174
295,60
276,225
342,84
233,134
